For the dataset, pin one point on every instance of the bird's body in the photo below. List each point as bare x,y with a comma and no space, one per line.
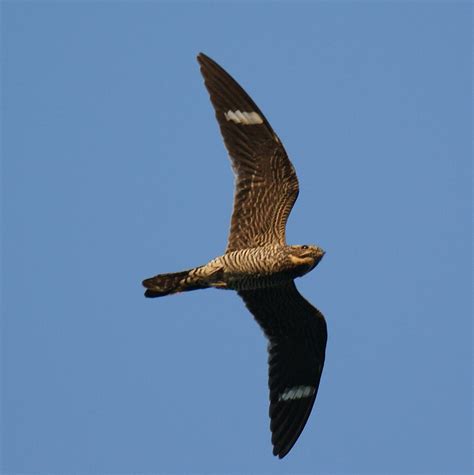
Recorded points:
258,263
246,269
263,267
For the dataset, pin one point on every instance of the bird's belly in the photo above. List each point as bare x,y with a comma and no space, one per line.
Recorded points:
246,281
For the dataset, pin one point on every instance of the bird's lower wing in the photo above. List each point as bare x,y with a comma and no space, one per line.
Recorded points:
297,342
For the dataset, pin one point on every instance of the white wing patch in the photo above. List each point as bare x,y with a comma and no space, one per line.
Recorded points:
296,392
244,118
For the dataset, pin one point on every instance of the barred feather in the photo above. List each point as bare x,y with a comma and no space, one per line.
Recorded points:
266,184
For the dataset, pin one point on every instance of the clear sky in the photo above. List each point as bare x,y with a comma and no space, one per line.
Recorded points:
114,170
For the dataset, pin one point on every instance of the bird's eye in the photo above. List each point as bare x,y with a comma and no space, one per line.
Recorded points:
304,247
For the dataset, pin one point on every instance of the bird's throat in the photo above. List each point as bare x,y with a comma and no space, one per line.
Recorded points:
309,261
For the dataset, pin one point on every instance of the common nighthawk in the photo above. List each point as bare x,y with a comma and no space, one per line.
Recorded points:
258,263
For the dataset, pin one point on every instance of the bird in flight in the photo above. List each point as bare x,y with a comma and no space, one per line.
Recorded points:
258,263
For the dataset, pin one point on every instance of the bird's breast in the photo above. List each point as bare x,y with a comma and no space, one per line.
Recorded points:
255,268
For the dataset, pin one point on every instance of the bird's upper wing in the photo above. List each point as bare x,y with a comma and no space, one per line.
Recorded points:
266,183
297,343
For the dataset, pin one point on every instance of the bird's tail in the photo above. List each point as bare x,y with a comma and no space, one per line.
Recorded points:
165,284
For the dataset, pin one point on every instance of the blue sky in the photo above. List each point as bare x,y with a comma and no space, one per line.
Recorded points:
113,170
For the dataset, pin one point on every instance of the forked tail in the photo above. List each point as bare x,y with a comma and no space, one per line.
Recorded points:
165,284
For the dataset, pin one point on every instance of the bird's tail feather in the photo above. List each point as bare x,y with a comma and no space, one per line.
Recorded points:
165,284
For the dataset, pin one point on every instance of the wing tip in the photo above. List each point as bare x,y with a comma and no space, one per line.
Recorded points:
284,436
282,447
203,58
284,442
281,452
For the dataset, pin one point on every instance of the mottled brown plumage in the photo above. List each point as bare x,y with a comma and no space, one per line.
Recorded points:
266,185
258,263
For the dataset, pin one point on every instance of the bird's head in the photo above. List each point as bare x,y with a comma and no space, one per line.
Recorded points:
305,257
